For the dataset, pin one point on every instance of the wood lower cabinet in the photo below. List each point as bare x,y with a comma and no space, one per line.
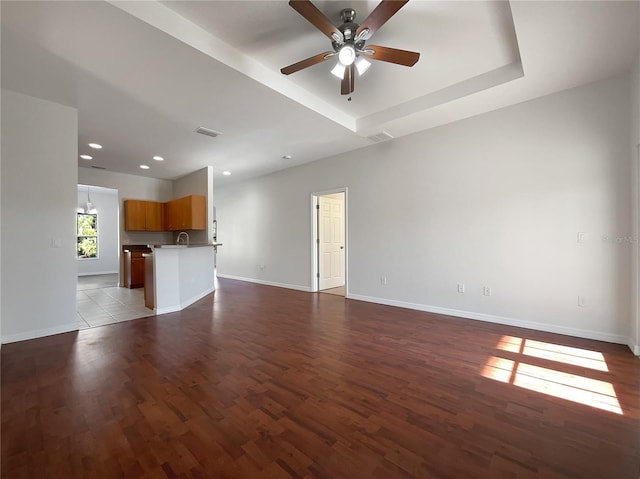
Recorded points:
134,268
149,300
140,215
187,213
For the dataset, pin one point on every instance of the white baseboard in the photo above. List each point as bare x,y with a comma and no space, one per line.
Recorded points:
635,348
98,272
267,283
63,328
184,304
168,309
197,297
551,328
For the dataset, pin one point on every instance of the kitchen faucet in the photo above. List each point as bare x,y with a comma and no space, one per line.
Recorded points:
180,237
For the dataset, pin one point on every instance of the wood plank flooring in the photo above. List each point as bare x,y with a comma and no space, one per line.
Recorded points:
263,382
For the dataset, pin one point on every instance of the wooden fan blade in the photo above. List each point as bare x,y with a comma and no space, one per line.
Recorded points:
318,19
347,85
392,55
383,12
307,62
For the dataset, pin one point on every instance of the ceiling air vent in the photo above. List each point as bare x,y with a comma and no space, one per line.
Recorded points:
383,136
208,131
98,167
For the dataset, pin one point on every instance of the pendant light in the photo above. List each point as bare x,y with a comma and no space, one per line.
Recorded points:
89,207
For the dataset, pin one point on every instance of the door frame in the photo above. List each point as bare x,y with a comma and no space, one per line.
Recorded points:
314,237
634,342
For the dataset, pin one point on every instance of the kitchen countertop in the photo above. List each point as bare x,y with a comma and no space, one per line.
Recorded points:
196,245
135,247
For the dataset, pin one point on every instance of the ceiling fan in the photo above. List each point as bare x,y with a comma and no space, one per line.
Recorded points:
348,41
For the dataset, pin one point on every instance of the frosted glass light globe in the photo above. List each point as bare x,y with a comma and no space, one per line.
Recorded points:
347,55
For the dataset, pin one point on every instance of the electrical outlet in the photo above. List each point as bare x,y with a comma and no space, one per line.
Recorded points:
486,291
582,301
383,280
460,287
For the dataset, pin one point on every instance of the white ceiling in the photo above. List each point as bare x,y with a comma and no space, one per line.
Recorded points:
145,75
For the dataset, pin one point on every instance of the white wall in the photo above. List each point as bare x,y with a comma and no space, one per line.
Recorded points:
496,200
105,201
197,183
39,177
634,333
136,188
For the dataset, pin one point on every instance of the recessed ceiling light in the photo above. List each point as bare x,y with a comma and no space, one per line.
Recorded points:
144,167
287,157
226,173
95,145
158,158
86,157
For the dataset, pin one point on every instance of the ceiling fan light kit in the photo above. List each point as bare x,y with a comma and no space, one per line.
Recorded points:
347,54
338,70
348,41
362,65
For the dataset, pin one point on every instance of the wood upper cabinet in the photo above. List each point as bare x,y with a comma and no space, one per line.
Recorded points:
142,215
155,216
188,213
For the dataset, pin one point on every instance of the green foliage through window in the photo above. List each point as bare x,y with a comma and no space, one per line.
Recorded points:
87,235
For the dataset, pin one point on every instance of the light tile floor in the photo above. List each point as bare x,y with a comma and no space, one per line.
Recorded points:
339,291
99,301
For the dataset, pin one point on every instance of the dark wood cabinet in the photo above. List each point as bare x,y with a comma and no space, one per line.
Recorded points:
187,213
140,215
134,268
149,299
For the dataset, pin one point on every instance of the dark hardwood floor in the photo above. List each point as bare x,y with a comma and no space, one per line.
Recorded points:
263,382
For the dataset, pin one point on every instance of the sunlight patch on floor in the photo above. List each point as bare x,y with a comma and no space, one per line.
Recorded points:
554,352
572,387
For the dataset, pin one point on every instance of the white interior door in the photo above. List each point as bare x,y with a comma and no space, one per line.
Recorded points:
331,246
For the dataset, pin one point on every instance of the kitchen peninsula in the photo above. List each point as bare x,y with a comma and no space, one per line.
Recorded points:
182,274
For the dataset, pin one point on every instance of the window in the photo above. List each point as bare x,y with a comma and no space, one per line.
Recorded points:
87,235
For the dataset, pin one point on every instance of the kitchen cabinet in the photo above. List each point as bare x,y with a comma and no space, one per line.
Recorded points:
134,268
187,213
155,216
149,300
142,215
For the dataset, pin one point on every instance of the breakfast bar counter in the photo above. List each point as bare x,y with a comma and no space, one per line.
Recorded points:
182,274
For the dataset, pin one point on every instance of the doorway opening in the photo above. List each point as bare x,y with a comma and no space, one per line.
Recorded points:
99,299
329,236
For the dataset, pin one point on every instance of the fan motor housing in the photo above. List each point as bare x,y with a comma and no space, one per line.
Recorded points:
348,30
